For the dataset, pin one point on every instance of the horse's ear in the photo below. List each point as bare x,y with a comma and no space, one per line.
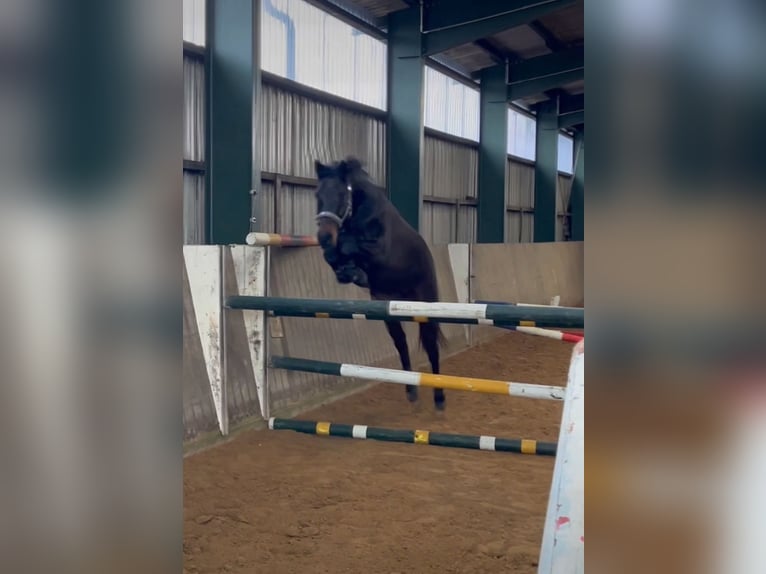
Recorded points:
321,169
353,164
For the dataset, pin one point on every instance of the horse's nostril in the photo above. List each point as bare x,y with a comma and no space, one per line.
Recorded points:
327,234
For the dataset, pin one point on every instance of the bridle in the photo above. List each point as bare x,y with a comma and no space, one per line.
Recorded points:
347,212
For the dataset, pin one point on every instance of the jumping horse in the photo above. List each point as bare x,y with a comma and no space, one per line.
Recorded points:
367,242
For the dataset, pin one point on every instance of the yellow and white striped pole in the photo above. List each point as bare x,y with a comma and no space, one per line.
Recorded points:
448,382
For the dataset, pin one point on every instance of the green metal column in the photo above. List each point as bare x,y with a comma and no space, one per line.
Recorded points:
577,196
493,156
405,114
546,171
233,82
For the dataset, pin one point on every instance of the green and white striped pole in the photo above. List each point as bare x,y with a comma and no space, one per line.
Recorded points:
462,313
476,442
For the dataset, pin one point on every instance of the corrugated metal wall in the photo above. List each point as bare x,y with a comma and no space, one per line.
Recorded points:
450,182
293,211
194,208
450,169
520,202
296,130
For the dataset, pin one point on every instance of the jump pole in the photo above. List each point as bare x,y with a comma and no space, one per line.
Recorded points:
277,240
547,333
476,442
464,313
563,546
447,382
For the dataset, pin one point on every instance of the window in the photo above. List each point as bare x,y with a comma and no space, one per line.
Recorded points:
305,44
451,106
194,21
194,124
521,135
565,155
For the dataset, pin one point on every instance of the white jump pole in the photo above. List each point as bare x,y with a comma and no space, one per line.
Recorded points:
563,546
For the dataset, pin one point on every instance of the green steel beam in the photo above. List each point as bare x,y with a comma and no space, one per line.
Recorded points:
546,171
569,104
468,29
540,85
550,64
233,90
493,156
405,114
571,119
537,75
550,39
577,195
452,13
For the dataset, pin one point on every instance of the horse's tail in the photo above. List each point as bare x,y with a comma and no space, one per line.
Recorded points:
440,336
430,331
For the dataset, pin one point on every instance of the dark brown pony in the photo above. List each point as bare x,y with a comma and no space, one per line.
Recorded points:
367,242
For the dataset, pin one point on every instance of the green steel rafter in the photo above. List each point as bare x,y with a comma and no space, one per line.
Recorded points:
537,75
571,110
571,119
493,156
546,171
451,23
443,14
539,85
498,54
551,42
571,104
405,114
556,63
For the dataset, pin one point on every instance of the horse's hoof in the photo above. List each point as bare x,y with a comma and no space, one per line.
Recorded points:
440,405
412,395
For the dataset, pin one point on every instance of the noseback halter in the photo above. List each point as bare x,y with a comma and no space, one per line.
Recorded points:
339,219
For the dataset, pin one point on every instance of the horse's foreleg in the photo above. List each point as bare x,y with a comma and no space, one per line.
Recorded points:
429,336
341,264
399,337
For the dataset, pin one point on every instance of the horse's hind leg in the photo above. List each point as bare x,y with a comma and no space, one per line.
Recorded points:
429,337
396,331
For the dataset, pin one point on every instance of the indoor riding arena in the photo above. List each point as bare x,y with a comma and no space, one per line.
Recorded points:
288,502
303,451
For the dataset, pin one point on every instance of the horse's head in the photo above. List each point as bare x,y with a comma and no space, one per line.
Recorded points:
334,197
